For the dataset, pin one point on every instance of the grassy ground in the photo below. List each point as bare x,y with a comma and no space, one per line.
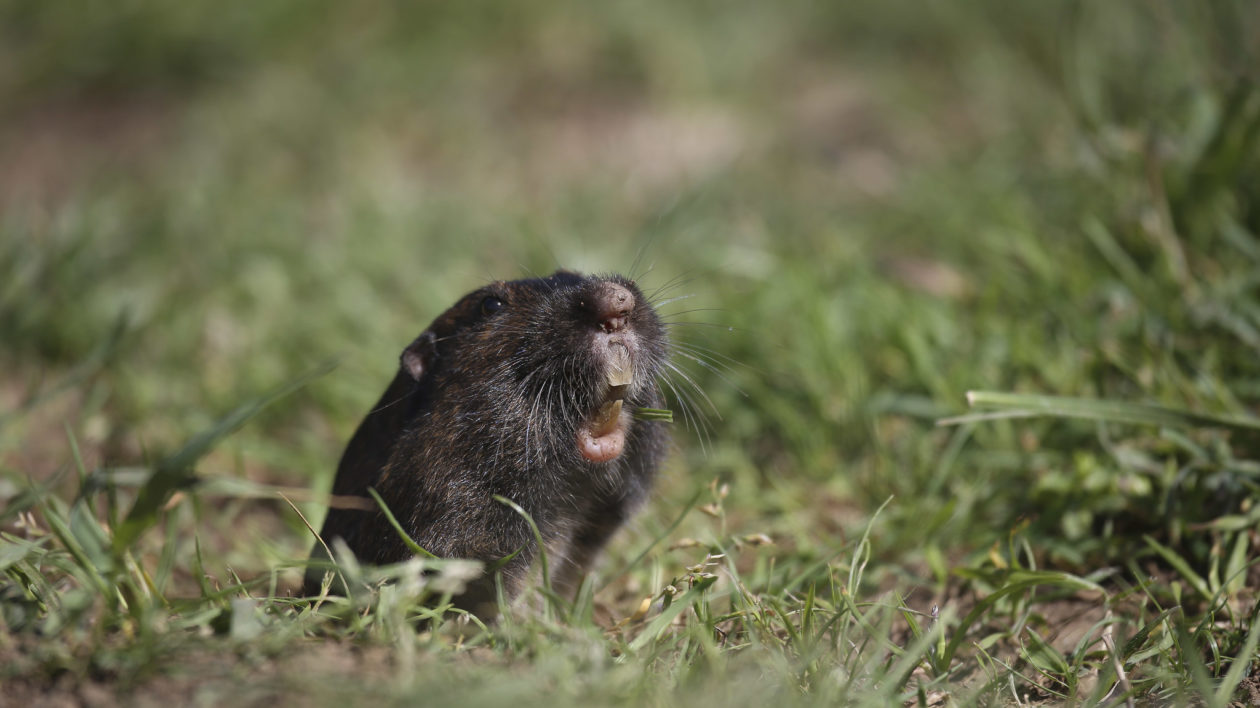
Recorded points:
874,210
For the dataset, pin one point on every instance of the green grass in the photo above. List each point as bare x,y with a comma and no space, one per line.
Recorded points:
218,228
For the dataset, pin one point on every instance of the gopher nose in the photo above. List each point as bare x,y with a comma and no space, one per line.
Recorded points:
612,304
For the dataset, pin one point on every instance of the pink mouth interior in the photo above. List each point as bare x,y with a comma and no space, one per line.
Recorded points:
601,448
602,437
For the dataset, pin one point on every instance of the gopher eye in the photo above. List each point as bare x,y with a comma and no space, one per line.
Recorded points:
491,305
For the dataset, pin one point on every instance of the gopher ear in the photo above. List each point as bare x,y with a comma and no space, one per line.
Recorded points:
419,355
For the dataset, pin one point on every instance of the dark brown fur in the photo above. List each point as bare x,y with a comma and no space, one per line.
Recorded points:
488,401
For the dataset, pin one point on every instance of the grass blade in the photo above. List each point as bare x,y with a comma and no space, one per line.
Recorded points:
1020,404
175,472
1238,667
1181,566
1017,582
669,614
389,516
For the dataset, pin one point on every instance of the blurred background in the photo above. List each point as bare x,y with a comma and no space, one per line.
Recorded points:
872,208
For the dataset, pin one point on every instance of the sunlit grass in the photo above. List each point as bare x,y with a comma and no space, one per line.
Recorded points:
860,219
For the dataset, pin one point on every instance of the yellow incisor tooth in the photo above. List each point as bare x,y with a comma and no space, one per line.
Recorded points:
620,368
606,418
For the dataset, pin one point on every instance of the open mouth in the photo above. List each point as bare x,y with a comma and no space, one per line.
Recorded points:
602,437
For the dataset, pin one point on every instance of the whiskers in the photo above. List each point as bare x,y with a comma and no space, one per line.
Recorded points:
386,405
655,296
679,375
540,423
